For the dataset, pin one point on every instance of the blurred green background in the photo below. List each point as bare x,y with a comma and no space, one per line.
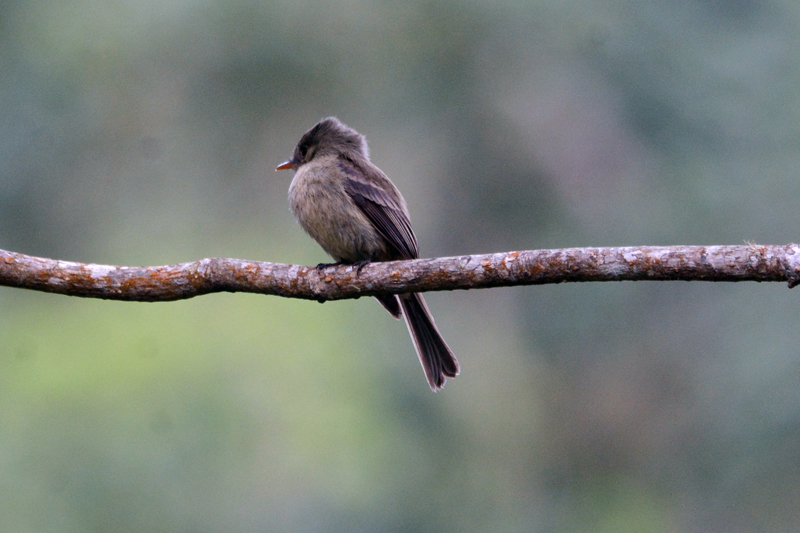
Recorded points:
146,133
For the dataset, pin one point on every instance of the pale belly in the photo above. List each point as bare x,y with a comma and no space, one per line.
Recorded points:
331,218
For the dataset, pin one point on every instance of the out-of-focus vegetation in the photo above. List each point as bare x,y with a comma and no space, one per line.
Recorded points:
144,132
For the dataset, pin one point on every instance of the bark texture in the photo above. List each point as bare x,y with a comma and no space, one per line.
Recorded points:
748,262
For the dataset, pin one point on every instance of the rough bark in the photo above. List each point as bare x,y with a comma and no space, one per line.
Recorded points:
749,262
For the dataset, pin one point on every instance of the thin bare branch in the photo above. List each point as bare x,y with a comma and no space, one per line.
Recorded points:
749,262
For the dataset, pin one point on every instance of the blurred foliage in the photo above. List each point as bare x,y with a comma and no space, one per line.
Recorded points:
137,132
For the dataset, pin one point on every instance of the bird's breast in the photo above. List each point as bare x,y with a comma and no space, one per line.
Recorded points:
328,214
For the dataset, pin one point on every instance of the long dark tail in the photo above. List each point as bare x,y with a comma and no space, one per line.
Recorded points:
437,360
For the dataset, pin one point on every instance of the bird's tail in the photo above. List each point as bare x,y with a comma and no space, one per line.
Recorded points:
437,360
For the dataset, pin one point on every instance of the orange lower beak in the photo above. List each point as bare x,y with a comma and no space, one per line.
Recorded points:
285,165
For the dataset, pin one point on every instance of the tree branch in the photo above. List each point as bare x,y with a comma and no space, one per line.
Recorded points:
748,262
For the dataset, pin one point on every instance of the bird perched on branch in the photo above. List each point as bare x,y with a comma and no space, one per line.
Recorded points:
357,215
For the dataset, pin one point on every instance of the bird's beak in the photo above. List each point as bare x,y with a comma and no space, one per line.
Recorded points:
286,164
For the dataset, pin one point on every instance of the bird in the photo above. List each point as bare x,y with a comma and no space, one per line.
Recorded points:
357,215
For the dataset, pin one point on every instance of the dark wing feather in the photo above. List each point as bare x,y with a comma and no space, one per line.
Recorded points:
366,185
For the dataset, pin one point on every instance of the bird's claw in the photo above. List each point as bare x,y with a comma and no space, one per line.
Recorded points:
322,266
361,264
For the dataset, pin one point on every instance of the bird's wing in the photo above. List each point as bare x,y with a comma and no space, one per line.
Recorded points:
368,187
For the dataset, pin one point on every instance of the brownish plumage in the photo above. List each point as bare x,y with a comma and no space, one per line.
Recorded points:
357,215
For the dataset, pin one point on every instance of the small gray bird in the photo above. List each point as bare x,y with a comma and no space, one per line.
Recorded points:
357,215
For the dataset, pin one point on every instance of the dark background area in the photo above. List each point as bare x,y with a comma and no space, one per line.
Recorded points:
146,133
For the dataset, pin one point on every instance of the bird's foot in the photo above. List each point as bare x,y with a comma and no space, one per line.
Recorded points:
322,266
361,264
358,264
